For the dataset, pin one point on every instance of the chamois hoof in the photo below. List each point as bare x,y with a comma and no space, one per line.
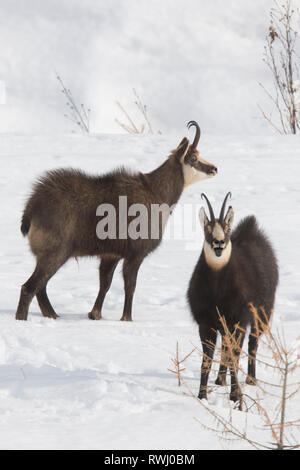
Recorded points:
220,381
53,315
94,315
125,319
202,396
235,396
251,380
20,316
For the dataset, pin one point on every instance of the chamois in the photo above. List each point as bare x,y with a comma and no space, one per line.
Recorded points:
61,220
234,271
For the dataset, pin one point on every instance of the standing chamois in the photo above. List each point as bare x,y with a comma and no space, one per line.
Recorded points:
234,273
62,215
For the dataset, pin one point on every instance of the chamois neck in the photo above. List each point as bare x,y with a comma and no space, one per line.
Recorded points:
167,181
214,262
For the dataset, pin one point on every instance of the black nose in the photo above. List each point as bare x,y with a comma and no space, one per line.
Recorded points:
218,252
214,170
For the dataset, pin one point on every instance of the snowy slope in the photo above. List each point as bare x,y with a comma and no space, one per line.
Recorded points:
73,383
186,59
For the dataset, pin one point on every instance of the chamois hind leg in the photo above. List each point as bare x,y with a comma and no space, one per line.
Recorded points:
258,326
106,272
46,267
254,336
252,350
45,305
221,379
130,270
208,338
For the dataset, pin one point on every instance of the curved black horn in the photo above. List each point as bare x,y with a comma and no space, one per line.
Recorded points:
198,133
222,212
211,212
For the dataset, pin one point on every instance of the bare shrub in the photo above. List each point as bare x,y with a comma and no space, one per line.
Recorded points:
130,126
280,56
78,114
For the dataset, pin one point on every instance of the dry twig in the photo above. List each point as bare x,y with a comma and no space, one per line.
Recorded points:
177,364
130,126
79,115
281,59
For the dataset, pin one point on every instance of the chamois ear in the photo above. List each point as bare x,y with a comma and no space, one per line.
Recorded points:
182,149
229,217
203,218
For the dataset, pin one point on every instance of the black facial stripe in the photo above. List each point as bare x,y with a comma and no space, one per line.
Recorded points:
219,242
203,167
191,159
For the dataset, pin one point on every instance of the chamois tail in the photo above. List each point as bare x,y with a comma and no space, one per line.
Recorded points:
25,223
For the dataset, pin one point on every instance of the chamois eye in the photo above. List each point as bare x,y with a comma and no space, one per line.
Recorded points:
193,158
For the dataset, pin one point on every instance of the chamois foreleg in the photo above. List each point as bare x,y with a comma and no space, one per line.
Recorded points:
130,270
106,272
208,338
252,350
233,355
221,379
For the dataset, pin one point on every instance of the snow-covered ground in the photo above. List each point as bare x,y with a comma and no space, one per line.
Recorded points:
190,59
74,383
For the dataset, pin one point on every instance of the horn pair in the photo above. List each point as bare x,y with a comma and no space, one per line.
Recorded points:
211,212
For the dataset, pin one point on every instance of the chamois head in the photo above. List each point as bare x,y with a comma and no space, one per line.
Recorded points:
195,168
217,244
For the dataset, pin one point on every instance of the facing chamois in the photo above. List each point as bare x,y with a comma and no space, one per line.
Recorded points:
233,271
60,219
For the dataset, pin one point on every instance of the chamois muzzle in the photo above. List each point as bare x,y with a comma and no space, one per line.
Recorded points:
218,251
211,170
218,246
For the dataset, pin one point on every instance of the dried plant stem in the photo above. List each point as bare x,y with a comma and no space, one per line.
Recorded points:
177,364
130,126
280,57
133,129
143,109
78,115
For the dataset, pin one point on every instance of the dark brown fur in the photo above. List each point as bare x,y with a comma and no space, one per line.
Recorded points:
250,276
60,221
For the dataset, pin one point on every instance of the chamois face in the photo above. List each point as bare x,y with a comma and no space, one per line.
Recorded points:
195,168
217,243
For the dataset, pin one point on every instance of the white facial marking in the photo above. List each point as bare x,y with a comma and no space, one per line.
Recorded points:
218,232
213,260
191,175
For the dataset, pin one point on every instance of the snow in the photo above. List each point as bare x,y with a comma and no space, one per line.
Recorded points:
78,384
187,60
